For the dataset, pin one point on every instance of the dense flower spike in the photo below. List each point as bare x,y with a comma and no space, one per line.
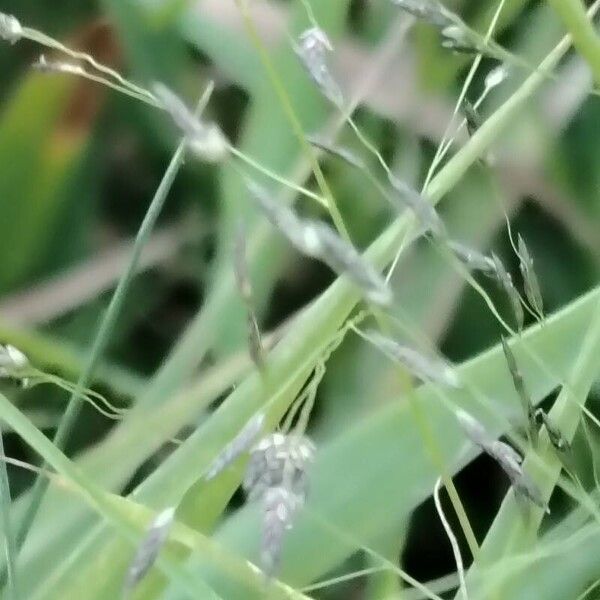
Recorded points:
530,280
10,28
426,368
148,550
318,240
277,476
241,443
279,508
505,456
313,46
205,140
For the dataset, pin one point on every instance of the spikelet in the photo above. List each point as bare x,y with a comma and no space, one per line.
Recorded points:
241,443
423,210
312,49
277,476
496,76
430,11
242,277
505,280
279,508
147,552
318,240
337,151
507,457
10,28
530,280
554,435
426,368
205,140
473,259
519,385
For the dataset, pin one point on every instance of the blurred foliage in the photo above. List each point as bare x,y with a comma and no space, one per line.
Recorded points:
80,165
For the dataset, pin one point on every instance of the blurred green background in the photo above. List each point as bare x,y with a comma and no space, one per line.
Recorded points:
80,164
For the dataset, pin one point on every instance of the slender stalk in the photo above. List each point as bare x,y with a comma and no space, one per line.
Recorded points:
292,117
106,327
7,527
585,39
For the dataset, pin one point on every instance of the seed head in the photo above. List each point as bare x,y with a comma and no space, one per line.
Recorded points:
147,552
312,49
10,28
277,475
241,443
279,460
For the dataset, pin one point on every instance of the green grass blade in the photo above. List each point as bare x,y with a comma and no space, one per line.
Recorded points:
381,444
107,324
7,528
